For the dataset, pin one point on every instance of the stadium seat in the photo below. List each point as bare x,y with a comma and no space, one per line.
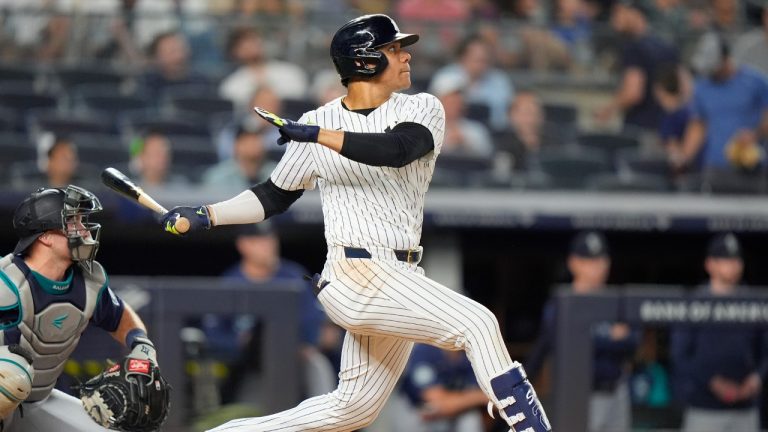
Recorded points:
70,78
724,181
95,153
14,73
191,156
479,112
20,101
132,124
461,171
198,105
561,114
64,124
628,183
294,108
570,166
635,163
609,144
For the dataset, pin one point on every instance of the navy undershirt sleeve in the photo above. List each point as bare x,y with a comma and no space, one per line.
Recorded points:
405,143
108,311
274,199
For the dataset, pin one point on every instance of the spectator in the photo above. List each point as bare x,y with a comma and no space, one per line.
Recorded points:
485,83
641,56
263,97
720,370
326,87
246,48
169,54
729,112
62,163
116,41
260,262
463,136
672,88
151,161
526,134
573,26
442,392
614,343
245,169
751,48
444,11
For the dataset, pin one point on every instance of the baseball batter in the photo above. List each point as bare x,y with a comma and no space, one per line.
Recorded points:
51,289
372,154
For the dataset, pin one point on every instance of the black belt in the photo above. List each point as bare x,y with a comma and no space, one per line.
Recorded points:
410,256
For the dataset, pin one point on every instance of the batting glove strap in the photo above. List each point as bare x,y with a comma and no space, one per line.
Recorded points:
198,219
293,131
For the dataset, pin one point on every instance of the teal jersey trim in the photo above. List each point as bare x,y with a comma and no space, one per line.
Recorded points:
15,290
29,377
54,287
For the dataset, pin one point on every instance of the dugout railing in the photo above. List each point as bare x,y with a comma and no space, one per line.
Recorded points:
168,304
640,306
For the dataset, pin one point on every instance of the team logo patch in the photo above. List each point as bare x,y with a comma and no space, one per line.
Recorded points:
138,366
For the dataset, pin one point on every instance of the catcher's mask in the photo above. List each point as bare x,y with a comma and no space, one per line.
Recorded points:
64,209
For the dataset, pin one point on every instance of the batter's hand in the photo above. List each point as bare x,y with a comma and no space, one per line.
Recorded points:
197,216
289,129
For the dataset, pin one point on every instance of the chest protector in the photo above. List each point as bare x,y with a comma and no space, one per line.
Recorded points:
48,325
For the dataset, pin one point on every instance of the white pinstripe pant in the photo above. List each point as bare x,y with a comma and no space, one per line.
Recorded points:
385,306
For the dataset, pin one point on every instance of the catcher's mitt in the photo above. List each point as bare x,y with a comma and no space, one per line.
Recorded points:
130,397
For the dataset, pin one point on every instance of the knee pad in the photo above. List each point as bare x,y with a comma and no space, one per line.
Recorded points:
518,403
16,375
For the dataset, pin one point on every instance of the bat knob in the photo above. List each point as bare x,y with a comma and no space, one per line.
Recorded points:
182,225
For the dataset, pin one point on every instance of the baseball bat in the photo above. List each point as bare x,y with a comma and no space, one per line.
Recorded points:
121,184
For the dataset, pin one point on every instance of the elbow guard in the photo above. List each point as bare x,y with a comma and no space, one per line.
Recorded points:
16,375
274,199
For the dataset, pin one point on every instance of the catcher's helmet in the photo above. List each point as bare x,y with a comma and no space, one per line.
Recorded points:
354,46
64,209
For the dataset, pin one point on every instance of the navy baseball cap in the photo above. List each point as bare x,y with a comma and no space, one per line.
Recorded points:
724,245
589,244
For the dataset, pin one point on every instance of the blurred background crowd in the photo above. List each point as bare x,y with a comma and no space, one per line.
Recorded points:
626,98
657,95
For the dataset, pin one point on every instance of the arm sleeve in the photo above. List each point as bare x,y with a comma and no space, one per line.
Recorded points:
403,145
273,199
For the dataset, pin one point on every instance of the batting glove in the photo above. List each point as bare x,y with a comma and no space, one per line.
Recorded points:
197,216
289,129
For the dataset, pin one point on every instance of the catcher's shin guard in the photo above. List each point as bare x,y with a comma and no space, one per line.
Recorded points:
517,401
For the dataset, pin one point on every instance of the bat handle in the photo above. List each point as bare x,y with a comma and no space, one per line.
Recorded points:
181,225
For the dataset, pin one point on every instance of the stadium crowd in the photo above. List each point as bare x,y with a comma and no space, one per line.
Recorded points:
641,95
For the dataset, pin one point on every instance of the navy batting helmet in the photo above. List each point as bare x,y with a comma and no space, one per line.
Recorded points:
354,48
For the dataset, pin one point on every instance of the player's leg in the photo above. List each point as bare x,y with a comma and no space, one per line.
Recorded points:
59,412
395,299
370,368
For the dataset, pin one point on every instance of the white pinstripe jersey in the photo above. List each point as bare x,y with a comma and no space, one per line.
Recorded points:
366,206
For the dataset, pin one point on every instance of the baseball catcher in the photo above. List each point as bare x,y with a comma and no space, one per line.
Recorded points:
51,289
